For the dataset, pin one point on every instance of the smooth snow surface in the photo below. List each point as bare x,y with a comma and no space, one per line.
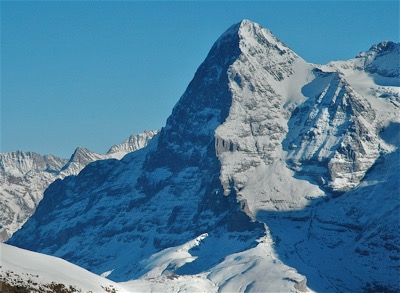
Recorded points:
43,269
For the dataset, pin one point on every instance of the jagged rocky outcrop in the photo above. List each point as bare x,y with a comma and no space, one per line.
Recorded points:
381,59
264,159
24,176
332,135
79,159
133,143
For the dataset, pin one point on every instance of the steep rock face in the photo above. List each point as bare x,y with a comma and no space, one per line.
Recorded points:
24,176
186,145
332,136
257,123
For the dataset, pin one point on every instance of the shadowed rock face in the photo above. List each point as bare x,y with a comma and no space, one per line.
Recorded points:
382,59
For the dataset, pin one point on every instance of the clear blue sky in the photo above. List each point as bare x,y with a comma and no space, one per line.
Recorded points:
91,73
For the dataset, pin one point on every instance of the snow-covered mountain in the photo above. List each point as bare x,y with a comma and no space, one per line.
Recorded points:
25,175
271,174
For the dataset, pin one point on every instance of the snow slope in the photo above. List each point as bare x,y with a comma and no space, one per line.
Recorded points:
39,272
289,168
19,266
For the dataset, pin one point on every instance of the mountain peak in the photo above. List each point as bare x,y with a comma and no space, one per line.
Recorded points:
380,49
382,59
80,153
248,30
385,47
246,24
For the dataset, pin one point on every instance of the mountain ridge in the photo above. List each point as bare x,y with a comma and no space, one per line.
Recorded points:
26,175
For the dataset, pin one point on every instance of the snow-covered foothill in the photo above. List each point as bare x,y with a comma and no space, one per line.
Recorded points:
38,271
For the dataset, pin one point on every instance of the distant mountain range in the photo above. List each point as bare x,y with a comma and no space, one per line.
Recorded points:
24,176
272,174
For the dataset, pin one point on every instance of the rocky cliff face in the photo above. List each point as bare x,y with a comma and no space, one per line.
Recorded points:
264,159
257,122
24,176
333,135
